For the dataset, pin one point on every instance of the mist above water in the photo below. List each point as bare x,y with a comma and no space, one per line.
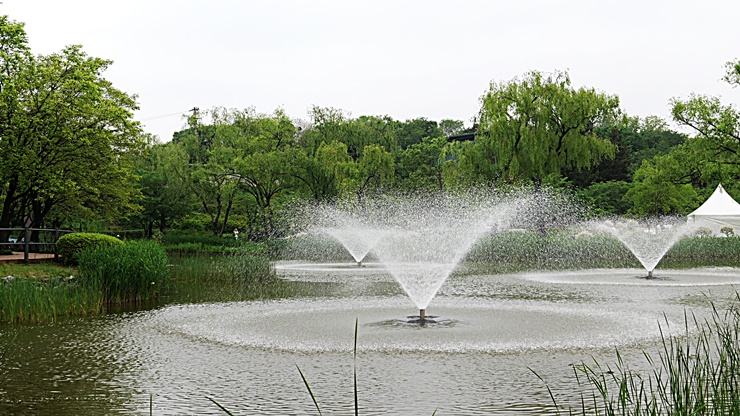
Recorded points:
649,239
419,239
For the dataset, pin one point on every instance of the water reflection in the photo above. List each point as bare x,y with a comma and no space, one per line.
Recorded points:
243,354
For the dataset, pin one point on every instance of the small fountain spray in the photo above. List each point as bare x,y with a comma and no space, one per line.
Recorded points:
649,239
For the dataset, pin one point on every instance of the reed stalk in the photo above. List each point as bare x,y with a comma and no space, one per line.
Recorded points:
696,373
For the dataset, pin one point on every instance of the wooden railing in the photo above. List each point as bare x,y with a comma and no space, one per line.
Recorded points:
25,239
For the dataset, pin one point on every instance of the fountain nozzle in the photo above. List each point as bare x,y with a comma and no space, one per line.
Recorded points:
359,263
650,274
422,314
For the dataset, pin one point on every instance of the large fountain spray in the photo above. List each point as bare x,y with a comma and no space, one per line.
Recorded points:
420,240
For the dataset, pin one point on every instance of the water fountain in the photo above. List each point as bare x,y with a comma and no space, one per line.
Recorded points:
648,239
419,239
476,362
429,236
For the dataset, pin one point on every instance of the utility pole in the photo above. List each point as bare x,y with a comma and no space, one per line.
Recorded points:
193,120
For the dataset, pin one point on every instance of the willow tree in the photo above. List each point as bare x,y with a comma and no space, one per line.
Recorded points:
537,127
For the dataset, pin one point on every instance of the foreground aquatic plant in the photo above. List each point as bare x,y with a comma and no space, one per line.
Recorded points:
695,374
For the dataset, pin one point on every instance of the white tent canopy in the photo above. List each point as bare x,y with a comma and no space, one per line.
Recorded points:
719,209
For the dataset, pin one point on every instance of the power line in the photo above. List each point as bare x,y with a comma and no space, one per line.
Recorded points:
166,115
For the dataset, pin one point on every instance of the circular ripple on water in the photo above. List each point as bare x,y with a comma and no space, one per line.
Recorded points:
714,276
471,325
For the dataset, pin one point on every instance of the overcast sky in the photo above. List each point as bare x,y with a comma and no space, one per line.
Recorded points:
405,59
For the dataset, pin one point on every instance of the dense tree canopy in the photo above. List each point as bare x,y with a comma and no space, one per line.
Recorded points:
67,136
539,126
69,149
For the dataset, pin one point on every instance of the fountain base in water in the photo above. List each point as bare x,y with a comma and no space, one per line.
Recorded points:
426,320
423,319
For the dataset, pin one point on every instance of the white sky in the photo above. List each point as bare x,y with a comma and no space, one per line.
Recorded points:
402,58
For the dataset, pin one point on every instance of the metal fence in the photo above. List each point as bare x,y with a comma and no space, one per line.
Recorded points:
46,237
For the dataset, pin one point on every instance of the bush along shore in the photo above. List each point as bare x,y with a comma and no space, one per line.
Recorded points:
109,271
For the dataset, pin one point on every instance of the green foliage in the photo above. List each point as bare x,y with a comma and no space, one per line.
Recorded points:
330,124
706,247
529,250
42,270
606,198
696,373
727,231
421,165
717,126
658,188
164,197
219,278
637,139
188,243
68,136
540,126
374,171
732,76
414,131
29,300
326,172
128,272
71,245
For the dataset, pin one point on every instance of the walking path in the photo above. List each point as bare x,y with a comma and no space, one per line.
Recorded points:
17,257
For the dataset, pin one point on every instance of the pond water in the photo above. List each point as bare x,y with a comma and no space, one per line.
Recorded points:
477,361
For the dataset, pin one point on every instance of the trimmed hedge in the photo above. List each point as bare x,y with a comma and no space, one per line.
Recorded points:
71,245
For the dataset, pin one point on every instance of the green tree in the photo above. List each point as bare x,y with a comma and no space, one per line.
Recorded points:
715,147
540,126
67,136
637,139
330,125
414,131
421,165
607,198
164,197
662,186
265,176
326,172
203,160
716,124
374,172
451,127
732,76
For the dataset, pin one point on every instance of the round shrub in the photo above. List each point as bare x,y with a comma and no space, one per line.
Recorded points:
71,245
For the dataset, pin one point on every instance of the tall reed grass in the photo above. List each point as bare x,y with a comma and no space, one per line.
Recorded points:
223,277
126,273
33,301
696,373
